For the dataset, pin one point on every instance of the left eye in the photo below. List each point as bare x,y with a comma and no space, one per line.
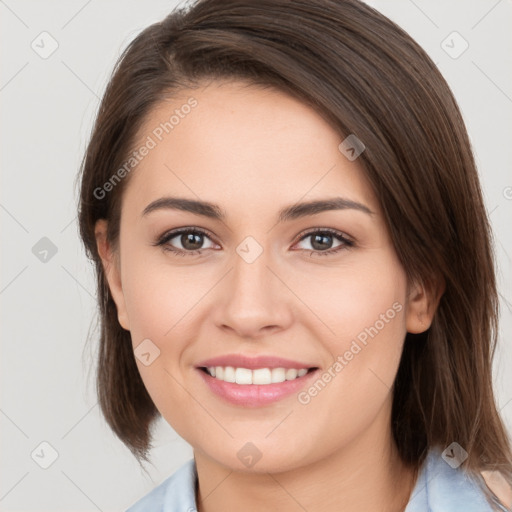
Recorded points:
320,238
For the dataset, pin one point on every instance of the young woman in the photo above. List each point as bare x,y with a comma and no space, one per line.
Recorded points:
294,265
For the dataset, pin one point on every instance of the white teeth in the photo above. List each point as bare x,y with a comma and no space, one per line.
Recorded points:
259,376
291,373
229,374
262,376
243,376
278,375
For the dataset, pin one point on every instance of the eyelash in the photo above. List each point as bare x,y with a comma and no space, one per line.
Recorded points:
166,237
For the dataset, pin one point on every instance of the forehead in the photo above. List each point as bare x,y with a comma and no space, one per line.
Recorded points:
240,143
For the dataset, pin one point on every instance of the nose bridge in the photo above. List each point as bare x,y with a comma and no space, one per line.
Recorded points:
250,276
253,297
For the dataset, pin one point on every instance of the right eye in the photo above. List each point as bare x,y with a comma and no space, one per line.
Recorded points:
189,239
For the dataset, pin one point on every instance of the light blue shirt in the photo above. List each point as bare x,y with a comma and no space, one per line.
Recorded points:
439,488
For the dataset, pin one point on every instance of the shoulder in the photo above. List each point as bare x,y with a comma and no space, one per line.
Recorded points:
176,493
443,488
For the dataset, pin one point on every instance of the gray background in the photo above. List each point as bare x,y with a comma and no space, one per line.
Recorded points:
48,104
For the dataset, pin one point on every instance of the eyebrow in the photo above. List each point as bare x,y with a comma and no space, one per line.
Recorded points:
288,213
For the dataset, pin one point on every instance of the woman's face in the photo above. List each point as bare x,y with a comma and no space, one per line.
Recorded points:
261,285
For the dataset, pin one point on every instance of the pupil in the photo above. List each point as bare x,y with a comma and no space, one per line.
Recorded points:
189,239
318,240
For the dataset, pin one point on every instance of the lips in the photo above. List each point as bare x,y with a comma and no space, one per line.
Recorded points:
254,395
253,363
247,394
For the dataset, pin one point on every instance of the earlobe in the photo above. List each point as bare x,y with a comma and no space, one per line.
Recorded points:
112,271
422,304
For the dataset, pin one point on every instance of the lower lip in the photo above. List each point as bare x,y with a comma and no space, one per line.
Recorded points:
255,395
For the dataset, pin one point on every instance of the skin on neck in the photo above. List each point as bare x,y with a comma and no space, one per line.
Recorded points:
368,474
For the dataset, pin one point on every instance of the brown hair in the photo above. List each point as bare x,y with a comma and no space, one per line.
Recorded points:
368,77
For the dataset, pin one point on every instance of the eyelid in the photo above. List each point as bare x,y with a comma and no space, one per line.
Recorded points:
172,233
332,231
346,241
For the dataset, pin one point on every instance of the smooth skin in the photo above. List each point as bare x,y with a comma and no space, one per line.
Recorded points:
253,151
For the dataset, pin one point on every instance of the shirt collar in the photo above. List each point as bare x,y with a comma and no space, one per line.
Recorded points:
438,487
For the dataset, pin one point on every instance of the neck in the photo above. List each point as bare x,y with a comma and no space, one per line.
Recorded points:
368,474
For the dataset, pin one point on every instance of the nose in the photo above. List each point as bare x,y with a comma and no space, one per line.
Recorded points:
253,299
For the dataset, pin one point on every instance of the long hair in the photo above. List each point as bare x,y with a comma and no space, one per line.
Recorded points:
365,76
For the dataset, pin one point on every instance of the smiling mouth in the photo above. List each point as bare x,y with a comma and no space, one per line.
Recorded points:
259,376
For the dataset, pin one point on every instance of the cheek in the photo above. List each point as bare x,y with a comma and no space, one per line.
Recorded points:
158,296
351,392
160,302
359,294
364,309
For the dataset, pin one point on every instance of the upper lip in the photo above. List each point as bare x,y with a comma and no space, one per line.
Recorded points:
252,363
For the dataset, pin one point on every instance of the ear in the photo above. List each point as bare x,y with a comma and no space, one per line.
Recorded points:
422,302
111,266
